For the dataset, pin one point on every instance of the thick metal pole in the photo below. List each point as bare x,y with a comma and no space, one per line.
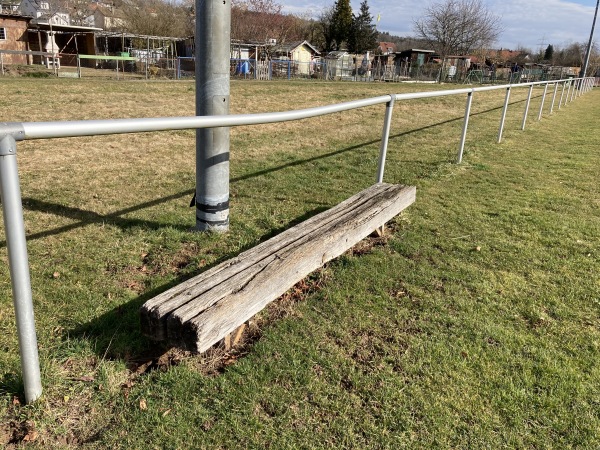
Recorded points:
554,98
588,51
503,119
527,103
213,29
14,226
463,136
542,104
389,109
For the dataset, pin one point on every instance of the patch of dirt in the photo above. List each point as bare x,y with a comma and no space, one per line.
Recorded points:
14,433
159,359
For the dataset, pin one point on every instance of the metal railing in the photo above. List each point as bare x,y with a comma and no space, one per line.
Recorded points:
11,133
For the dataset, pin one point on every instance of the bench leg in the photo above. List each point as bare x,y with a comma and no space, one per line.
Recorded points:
379,231
233,338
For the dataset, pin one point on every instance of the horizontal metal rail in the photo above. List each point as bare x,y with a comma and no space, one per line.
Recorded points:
63,129
11,133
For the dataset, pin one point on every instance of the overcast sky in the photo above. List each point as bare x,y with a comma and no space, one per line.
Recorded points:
530,23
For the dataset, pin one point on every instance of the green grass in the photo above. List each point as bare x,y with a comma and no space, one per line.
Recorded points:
475,324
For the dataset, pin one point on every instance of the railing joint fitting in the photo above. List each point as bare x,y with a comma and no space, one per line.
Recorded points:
15,132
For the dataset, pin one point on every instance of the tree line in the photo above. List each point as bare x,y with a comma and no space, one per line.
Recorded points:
450,27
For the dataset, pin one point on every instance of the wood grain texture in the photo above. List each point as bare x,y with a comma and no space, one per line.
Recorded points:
203,310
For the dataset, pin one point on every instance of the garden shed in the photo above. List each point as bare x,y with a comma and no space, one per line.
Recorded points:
301,53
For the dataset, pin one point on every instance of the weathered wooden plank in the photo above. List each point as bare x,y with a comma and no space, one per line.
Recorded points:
207,319
237,271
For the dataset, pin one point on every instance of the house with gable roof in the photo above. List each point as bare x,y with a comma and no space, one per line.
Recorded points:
42,11
301,53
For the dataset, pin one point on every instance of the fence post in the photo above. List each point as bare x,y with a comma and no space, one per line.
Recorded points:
463,135
213,30
542,104
574,90
389,109
12,208
527,103
503,119
554,98
562,93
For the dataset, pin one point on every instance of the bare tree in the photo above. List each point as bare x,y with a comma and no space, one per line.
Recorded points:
458,26
262,20
572,55
157,17
326,29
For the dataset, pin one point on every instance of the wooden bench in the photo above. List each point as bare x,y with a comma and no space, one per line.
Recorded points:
205,309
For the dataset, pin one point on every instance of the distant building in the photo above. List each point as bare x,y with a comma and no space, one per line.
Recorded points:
108,18
42,12
386,48
414,56
301,53
13,38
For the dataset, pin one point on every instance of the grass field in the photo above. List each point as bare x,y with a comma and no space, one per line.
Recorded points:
474,324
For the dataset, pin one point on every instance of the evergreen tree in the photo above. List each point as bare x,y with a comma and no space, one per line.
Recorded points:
549,53
341,22
363,36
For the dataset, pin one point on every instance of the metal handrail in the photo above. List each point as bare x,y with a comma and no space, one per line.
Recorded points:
63,129
12,206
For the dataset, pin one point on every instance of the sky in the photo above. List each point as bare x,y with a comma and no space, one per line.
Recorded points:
532,24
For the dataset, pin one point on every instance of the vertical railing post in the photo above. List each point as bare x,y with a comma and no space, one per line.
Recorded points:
574,90
503,119
554,98
387,121
527,103
12,208
542,104
568,92
213,30
463,135
562,94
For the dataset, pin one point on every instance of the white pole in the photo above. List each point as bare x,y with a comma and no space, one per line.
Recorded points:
463,135
14,227
503,119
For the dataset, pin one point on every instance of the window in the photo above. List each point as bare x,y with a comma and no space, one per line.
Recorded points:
2,34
